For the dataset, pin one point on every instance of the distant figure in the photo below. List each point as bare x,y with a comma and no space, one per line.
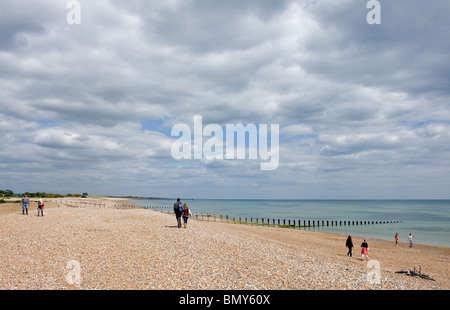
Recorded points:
186,214
40,207
410,237
25,202
178,210
349,245
396,239
365,249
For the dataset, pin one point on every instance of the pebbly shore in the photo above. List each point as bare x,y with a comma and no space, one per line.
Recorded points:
104,247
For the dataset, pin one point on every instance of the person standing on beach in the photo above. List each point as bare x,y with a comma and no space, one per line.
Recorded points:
396,239
186,214
410,237
25,202
178,210
365,249
349,245
40,207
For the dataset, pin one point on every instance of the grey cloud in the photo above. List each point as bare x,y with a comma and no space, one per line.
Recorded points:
403,53
80,95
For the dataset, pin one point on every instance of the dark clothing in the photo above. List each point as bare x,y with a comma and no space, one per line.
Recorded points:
40,208
178,210
349,245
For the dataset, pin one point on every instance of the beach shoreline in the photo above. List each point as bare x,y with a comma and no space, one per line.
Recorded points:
121,246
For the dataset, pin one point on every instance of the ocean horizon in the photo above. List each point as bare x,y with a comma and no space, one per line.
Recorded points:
426,219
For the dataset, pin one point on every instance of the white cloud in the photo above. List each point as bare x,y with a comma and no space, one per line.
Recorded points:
351,99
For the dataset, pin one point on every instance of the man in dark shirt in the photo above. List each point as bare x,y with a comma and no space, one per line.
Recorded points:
178,210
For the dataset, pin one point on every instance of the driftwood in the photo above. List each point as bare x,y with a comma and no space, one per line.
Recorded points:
414,273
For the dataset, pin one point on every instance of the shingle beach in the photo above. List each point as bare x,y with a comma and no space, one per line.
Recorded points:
117,249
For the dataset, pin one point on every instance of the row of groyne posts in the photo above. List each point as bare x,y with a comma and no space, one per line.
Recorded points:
274,222
96,203
81,202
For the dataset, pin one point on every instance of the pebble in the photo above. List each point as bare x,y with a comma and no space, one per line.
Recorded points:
143,249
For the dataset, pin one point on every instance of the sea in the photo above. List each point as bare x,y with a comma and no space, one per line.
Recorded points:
427,220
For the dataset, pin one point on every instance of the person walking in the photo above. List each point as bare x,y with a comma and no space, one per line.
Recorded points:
40,207
178,210
410,237
349,245
396,239
186,214
365,249
25,202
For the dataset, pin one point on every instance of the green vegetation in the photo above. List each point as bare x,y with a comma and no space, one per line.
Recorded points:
43,195
4,201
7,193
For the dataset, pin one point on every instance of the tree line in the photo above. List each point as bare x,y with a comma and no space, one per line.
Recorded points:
9,193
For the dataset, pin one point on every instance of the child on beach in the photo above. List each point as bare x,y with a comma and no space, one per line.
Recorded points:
186,214
410,237
396,239
365,249
40,207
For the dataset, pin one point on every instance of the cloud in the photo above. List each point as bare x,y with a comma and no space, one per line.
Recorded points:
92,105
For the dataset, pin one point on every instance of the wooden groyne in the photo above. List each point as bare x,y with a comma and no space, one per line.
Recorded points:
287,223
81,202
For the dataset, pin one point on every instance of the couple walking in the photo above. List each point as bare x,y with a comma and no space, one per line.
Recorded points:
25,201
410,239
181,210
364,247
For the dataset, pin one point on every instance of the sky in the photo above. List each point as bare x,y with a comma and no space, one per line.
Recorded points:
90,96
